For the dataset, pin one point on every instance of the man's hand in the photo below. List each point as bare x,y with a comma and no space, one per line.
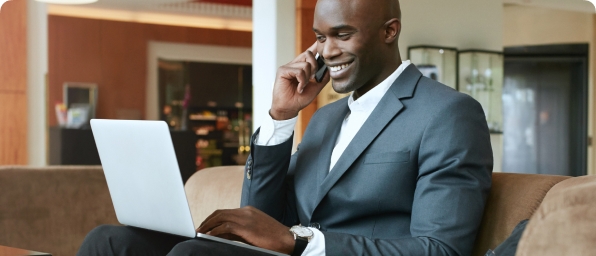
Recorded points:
249,225
295,86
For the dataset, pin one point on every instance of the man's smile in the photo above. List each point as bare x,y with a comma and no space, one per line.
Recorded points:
339,70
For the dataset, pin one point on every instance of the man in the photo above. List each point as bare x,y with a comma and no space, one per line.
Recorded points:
401,167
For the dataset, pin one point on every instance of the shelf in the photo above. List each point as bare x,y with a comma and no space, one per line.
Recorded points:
202,118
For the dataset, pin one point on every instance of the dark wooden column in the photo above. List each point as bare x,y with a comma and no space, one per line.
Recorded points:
305,10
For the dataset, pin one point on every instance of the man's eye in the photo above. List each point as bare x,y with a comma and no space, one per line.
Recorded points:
320,38
343,35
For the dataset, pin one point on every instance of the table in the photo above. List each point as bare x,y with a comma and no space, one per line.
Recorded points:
9,251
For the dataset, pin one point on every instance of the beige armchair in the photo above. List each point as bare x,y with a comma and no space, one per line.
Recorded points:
52,209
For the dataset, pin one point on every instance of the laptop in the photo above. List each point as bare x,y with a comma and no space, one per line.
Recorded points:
144,180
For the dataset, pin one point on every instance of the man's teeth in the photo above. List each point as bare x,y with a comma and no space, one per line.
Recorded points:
338,68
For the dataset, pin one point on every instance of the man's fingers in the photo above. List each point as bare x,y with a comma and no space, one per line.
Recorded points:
310,58
226,229
313,47
298,72
216,212
312,50
219,217
315,88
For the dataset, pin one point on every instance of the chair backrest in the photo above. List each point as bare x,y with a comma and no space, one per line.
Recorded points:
214,188
513,198
51,209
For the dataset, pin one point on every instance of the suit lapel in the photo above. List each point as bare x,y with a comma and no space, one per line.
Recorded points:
389,106
330,138
322,157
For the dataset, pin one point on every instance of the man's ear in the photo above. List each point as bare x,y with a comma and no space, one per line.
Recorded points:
392,30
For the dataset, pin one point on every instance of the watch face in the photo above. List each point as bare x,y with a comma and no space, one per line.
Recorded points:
301,231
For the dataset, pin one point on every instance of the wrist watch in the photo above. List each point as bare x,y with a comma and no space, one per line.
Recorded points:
302,236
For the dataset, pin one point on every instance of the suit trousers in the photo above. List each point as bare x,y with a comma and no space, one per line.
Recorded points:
108,240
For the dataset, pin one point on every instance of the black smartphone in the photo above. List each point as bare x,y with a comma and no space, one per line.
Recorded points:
321,68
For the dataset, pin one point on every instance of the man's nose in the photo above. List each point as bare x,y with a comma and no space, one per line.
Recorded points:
330,49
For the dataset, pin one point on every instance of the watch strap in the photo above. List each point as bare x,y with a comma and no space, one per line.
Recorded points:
300,246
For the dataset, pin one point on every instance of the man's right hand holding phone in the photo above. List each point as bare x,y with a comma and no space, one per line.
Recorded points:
295,85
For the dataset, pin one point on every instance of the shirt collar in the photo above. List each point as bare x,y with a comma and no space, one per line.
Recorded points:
368,101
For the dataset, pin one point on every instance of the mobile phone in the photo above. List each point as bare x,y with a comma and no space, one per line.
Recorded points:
321,68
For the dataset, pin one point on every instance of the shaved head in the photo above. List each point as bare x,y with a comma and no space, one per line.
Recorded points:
380,10
359,41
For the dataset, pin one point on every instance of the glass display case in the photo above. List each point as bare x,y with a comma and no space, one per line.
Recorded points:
481,76
436,62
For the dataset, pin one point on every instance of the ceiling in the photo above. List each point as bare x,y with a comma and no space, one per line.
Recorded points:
232,2
241,9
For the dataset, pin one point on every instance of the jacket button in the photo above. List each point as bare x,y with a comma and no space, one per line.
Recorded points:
315,225
249,162
248,175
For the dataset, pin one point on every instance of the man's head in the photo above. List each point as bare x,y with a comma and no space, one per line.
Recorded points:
358,39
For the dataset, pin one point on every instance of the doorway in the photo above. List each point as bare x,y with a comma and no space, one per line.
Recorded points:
545,105
212,102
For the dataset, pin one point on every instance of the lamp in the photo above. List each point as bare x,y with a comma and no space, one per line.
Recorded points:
67,1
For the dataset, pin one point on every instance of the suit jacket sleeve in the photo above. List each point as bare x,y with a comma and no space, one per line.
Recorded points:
267,184
453,182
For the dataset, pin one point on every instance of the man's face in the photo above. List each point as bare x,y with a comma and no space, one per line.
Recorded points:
350,38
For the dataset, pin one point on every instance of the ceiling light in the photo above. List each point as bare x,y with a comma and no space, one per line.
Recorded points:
67,1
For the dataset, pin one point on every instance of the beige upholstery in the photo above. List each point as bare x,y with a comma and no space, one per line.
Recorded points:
565,223
513,198
52,209
214,188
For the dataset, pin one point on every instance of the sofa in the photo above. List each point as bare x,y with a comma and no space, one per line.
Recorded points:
51,209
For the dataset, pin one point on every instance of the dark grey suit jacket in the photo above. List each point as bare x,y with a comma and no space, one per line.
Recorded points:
413,181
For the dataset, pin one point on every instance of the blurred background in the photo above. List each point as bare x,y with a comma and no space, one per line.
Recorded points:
206,67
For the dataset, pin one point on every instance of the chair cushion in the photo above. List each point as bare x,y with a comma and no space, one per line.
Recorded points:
565,223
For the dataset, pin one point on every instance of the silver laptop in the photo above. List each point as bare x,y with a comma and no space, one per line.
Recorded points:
144,180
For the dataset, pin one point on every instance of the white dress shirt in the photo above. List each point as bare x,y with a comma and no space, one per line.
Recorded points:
275,132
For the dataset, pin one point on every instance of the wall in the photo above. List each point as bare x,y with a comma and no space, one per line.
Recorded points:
113,54
525,25
463,24
13,83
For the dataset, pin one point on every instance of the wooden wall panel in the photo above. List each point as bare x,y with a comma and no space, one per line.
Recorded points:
166,33
114,55
305,38
74,56
124,65
13,129
219,37
306,4
13,46
13,83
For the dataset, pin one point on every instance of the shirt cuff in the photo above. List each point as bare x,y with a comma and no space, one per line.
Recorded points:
274,132
316,246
